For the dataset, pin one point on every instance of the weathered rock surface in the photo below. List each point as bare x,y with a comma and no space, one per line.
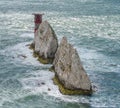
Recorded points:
69,70
45,41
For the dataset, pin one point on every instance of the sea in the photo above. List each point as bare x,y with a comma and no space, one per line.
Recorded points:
91,26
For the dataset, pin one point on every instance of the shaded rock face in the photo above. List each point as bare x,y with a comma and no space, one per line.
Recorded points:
45,41
68,68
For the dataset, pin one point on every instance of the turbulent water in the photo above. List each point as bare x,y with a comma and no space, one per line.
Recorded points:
92,26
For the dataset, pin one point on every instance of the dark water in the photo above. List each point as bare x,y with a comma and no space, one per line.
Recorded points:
92,26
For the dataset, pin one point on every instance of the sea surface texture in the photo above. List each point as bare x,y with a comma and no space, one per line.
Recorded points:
92,26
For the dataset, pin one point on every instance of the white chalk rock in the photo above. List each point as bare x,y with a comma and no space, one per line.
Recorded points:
45,41
68,68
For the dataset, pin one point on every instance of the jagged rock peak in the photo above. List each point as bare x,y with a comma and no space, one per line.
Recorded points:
68,68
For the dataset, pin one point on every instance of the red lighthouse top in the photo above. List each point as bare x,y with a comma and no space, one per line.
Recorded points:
37,18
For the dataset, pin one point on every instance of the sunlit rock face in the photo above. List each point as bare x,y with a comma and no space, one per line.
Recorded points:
68,68
45,41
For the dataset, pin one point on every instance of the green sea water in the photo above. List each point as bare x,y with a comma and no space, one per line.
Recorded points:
92,26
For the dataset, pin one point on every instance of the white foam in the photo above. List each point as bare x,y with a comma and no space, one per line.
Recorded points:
32,81
27,35
41,82
21,53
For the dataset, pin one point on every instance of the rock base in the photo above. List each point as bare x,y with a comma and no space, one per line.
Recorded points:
32,46
66,91
42,59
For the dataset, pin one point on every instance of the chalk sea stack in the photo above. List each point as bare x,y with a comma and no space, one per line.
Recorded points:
70,75
45,43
